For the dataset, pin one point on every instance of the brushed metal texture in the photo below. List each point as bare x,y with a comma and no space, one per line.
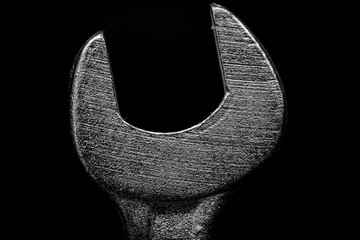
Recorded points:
197,161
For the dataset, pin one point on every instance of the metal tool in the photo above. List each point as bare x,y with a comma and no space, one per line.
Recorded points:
169,185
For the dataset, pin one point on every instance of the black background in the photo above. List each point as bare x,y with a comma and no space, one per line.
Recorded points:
283,198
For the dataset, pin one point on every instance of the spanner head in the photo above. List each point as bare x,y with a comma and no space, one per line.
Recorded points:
203,159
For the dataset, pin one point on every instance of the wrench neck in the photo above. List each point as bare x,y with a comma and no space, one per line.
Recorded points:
170,221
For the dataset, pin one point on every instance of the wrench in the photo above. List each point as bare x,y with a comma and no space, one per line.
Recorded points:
170,185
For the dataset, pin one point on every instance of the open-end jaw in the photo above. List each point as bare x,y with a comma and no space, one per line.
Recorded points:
197,161
170,185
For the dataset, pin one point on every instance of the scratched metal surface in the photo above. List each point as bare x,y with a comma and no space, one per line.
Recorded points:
236,137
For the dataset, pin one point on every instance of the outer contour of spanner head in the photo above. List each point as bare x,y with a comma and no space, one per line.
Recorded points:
241,133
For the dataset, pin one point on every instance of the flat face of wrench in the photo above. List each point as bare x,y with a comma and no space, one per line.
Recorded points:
241,133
